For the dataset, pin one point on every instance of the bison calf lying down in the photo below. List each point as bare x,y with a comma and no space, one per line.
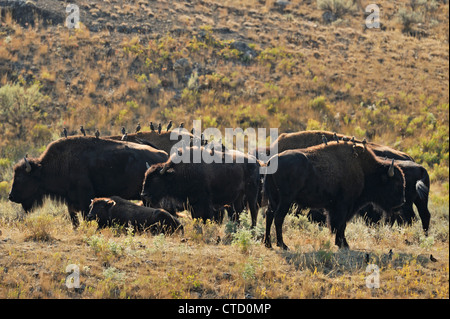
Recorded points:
116,210
338,177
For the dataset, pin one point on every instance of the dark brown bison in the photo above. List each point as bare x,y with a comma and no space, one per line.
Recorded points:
161,141
77,169
206,186
305,139
116,210
339,177
416,176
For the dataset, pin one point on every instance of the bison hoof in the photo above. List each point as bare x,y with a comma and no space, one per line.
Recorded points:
283,246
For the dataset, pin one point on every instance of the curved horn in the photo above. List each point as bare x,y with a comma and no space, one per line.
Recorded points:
391,169
164,169
28,165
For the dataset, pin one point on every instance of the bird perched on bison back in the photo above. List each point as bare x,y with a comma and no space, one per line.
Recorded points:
97,133
123,130
159,128
335,137
169,126
152,128
324,140
138,127
65,132
82,130
304,139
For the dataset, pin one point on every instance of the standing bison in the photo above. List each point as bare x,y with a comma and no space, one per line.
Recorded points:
417,180
77,169
206,186
116,210
339,177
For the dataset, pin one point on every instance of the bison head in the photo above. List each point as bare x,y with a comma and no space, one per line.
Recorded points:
99,209
391,193
27,185
156,182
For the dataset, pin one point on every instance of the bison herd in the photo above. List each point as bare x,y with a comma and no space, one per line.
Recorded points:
335,176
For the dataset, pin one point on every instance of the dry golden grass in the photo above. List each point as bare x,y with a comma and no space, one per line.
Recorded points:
217,261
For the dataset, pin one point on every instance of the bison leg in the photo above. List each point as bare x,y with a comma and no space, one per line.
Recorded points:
337,220
340,240
252,202
238,207
424,213
269,220
74,217
219,214
406,214
370,214
202,209
280,214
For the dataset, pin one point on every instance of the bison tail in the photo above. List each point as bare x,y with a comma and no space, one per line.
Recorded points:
422,190
423,185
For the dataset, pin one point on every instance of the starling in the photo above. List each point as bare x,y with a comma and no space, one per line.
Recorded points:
138,127
65,132
181,125
159,128
169,126
202,140
152,128
124,136
97,133
433,259
324,140
353,140
335,137
82,130
123,130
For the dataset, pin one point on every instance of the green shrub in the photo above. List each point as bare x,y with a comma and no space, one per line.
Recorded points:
338,7
39,225
408,18
4,189
41,134
18,105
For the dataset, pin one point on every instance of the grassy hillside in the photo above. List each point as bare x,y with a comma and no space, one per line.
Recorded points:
231,63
